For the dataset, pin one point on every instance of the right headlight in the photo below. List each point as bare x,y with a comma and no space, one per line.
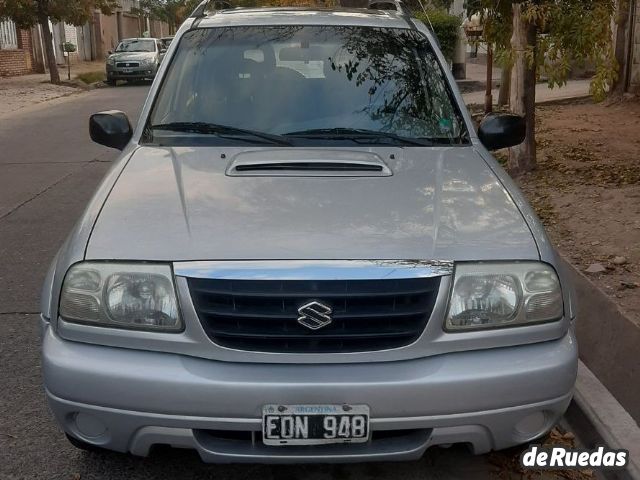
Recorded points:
122,295
495,295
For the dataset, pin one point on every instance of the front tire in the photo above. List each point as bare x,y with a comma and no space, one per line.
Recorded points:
111,82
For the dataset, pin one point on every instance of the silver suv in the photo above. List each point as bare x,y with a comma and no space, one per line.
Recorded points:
306,253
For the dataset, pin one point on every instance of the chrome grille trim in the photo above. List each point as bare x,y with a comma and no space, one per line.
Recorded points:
314,269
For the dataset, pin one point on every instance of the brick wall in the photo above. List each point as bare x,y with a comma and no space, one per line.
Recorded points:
20,61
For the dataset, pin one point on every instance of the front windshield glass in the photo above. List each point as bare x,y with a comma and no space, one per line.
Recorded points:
306,81
137,46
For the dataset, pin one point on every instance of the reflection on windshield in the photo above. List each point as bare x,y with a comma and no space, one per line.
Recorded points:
137,46
284,79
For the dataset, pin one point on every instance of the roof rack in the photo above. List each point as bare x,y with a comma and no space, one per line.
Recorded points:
206,5
212,5
397,5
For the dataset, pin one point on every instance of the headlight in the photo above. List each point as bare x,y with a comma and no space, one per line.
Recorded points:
111,61
138,296
493,295
147,61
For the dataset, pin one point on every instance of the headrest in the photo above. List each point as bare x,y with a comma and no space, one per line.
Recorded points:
299,54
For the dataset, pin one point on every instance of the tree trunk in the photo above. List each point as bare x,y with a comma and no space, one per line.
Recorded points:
622,21
505,87
523,91
488,96
48,48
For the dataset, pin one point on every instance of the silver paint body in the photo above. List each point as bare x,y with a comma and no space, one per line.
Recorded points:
428,209
135,73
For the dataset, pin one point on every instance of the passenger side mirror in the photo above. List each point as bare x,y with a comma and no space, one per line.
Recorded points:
111,129
110,52
502,131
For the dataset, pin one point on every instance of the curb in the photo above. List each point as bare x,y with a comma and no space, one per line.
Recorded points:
598,418
564,100
542,103
608,340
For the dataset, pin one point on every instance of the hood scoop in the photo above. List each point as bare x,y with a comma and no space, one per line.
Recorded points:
296,162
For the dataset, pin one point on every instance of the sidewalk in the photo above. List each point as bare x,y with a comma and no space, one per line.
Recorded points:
544,94
25,90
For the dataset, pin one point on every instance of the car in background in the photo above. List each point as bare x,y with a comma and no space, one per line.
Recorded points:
166,41
134,59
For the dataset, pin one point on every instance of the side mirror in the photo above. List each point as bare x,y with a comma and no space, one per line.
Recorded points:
163,50
502,131
110,52
111,129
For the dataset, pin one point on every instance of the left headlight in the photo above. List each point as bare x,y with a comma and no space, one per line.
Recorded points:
121,295
111,61
495,295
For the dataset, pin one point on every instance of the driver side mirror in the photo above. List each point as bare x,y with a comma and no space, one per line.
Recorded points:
111,129
502,131
110,52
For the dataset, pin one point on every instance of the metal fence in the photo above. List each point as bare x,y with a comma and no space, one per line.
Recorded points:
8,35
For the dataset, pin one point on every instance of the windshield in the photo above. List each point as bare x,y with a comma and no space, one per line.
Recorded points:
322,82
137,46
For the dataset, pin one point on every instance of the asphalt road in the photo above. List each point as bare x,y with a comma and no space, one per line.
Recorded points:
48,170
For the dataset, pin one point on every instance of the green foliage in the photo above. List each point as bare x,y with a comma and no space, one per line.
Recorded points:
27,13
575,32
570,33
92,77
446,28
416,5
496,17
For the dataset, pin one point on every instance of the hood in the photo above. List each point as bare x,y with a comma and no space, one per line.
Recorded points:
131,56
183,203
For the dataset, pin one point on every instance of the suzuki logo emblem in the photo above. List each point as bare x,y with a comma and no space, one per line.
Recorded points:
315,315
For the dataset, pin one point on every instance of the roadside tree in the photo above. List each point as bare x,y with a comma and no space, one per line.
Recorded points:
545,39
549,38
28,13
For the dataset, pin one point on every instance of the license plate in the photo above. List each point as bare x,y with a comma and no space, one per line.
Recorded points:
127,70
314,424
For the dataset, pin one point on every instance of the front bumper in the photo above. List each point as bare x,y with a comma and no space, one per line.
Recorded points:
131,74
129,400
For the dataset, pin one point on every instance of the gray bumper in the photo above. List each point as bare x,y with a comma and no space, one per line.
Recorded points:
147,72
129,400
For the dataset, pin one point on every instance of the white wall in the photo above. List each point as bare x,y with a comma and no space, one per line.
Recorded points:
457,7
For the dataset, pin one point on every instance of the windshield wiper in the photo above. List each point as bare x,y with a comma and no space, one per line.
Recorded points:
205,128
355,133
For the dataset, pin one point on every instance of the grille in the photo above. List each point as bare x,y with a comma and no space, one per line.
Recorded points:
262,315
127,64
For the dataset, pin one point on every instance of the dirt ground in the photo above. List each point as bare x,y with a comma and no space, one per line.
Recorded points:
587,192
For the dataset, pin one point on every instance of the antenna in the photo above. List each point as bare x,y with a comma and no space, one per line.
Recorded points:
426,14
